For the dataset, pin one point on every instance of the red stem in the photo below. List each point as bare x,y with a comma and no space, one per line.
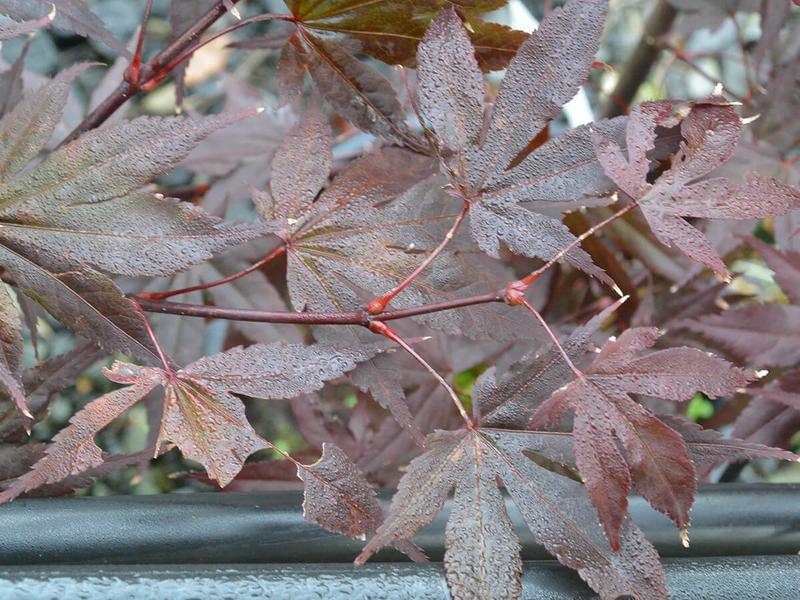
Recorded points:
280,250
162,356
387,332
378,305
133,72
553,337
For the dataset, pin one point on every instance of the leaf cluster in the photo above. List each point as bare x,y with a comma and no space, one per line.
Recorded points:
437,306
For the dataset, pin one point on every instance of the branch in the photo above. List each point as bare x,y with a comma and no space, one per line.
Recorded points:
126,89
512,294
357,317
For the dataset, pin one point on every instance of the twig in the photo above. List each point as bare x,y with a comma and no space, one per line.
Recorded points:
358,317
524,302
386,331
166,69
279,251
513,294
162,356
126,90
510,294
574,244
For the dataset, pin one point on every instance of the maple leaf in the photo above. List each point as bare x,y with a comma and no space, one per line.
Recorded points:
368,231
201,414
69,15
76,213
547,70
391,31
339,499
656,459
9,28
710,134
356,91
11,83
709,448
511,401
482,551
772,416
523,392
11,347
766,335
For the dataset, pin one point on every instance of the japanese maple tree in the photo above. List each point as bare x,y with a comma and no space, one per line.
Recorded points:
566,273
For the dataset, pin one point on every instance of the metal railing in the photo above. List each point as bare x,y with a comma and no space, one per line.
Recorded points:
745,540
